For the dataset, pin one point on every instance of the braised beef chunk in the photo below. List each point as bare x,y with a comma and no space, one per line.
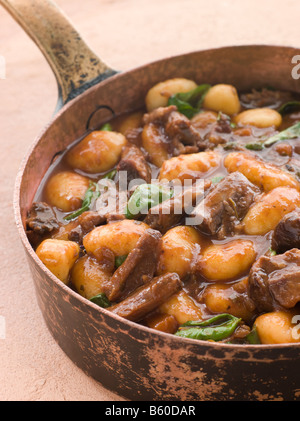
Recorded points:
139,266
265,98
85,223
287,233
180,128
219,133
176,132
274,282
170,212
134,162
147,297
226,204
41,218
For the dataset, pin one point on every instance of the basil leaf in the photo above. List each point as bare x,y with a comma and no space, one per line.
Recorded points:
145,197
289,107
252,337
189,103
217,179
91,194
110,175
216,328
255,146
101,300
106,127
119,260
287,134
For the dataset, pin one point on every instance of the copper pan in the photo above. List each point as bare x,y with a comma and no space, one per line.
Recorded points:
136,362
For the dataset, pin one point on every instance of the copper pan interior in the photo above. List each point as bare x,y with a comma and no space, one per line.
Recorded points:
243,66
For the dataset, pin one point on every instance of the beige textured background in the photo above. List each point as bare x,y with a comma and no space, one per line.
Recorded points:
125,34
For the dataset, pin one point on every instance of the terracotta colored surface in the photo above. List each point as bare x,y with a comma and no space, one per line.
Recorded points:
125,33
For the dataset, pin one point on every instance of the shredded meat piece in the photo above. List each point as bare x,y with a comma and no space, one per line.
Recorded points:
147,297
219,133
133,161
178,134
85,223
226,204
41,218
138,268
265,98
274,282
170,212
287,233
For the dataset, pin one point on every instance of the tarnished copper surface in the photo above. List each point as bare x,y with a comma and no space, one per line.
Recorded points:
134,361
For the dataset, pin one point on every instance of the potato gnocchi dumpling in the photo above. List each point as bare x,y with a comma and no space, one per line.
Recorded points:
179,248
188,166
119,237
277,327
159,94
98,152
89,278
263,174
259,117
222,98
224,262
58,256
65,190
264,215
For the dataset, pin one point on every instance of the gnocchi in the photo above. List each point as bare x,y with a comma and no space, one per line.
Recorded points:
159,94
66,190
98,152
58,256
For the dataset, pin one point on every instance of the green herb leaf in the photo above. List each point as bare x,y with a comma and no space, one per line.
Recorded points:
217,179
145,197
189,103
289,107
91,194
255,146
287,134
272,252
110,175
101,300
252,337
119,260
106,127
216,328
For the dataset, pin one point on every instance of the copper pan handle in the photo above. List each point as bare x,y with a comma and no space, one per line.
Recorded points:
75,66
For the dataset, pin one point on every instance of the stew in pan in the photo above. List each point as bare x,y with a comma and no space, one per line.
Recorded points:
183,216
